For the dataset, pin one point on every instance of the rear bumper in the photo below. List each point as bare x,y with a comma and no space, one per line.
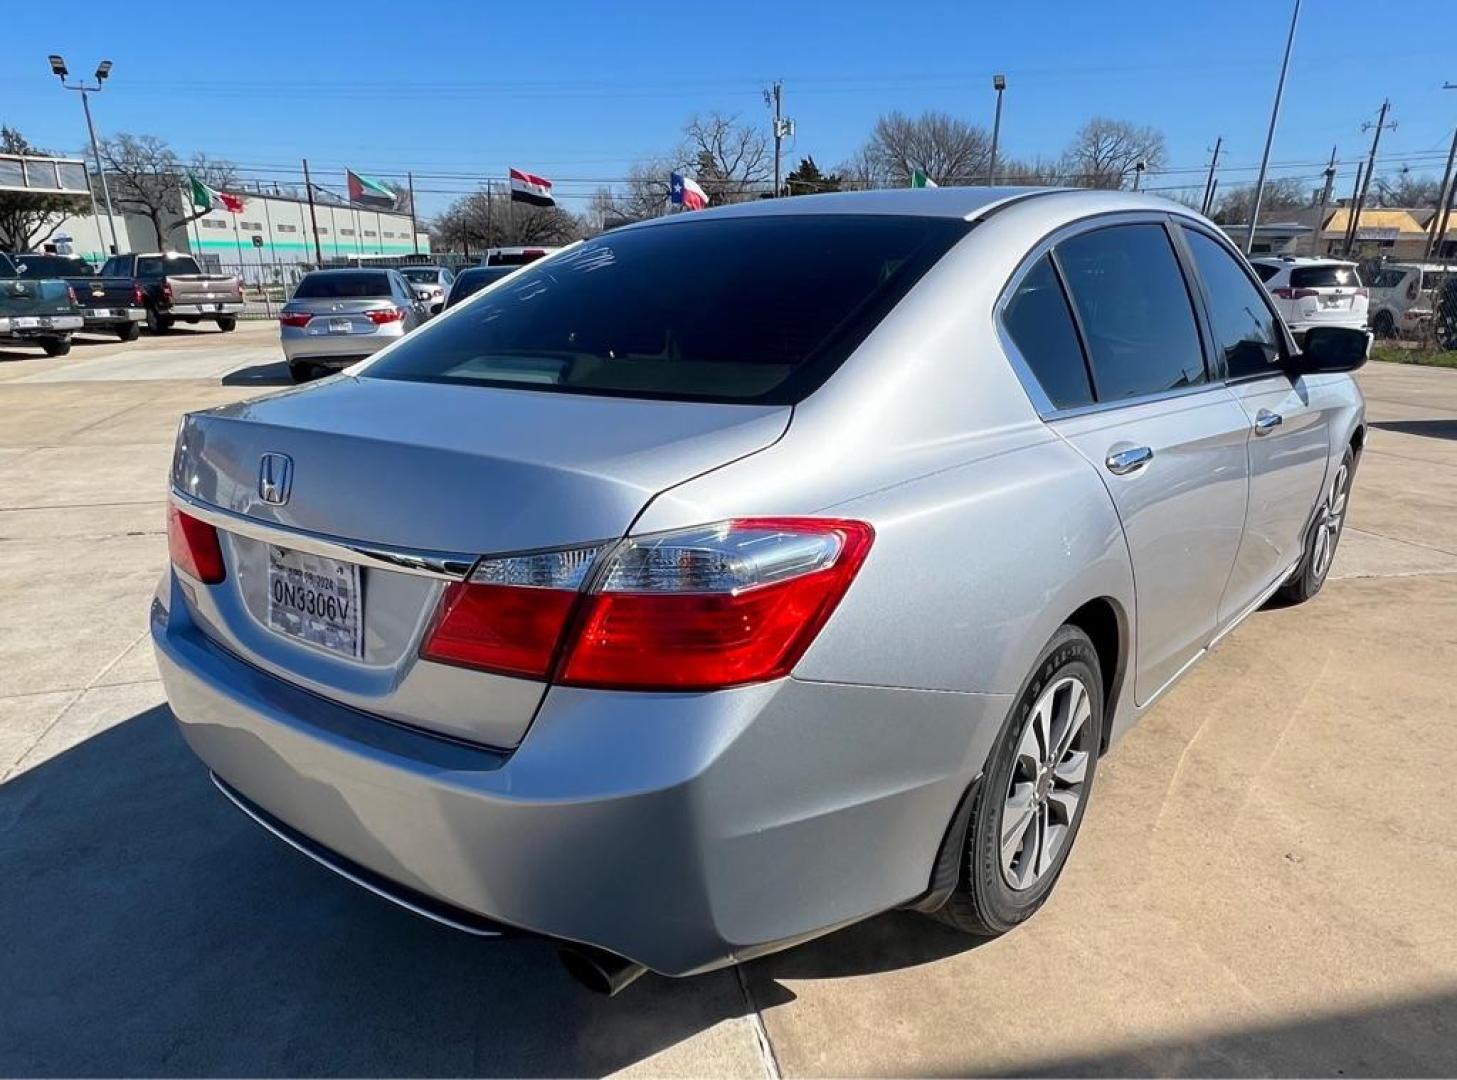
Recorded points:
683,831
119,316
1301,327
206,309
46,325
334,350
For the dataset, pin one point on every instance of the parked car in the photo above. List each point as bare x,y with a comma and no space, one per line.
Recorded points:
1402,296
430,283
1312,292
338,317
682,625
109,305
472,280
43,312
175,288
517,256
1445,318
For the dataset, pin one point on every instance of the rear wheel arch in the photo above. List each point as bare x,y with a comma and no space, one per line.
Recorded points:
1106,623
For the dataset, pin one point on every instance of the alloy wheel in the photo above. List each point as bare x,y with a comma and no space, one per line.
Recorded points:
1328,528
1046,786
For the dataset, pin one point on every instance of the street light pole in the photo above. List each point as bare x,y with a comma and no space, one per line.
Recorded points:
103,70
999,83
1270,135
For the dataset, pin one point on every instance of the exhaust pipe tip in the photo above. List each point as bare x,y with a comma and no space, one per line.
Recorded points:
598,970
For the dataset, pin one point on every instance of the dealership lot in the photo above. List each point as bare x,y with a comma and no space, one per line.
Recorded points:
1263,884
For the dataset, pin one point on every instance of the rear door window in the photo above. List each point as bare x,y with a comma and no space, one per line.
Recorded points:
1266,271
1041,326
1133,303
757,309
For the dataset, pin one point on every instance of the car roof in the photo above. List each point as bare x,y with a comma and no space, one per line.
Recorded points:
1301,260
351,270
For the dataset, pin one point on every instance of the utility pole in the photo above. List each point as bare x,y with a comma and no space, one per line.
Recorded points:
414,229
1380,126
1270,135
103,70
1138,168
999,83
1444,197
1325,201
1349,237
774,98
1208,203
313,215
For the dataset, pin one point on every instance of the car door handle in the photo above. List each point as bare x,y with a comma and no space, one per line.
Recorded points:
1267,421
1126,461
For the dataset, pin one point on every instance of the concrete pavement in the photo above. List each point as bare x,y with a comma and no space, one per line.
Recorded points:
1264,883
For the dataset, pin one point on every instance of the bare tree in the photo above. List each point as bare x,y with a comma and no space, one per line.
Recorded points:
644,195
1104,153
1405,190
1282,196
488,218
948,150
733,161
28,219
148,178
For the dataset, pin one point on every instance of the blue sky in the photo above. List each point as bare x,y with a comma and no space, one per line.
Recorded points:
577,90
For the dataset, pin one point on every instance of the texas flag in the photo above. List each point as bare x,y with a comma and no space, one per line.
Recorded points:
527,188
685,192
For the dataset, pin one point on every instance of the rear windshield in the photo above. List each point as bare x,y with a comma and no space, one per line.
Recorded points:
52,266
1324,277
470,282
342,286
166,265
755,309
1265,270
422,274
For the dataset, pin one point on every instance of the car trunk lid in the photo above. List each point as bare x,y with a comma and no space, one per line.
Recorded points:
422,468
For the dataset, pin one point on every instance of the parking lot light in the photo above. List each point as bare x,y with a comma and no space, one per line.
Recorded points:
58,66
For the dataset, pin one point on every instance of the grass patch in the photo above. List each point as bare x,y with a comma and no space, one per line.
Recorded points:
1396,354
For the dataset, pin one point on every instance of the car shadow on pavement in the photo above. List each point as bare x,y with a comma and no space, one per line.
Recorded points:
1431,429
148,927
271,374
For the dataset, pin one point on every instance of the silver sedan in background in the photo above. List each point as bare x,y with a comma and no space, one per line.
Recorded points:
431,284
733,576
338,317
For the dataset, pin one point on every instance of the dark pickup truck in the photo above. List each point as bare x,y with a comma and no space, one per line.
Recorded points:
174,287
43,312
109,305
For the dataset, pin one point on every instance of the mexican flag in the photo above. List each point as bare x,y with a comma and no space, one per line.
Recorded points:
920,179
206,198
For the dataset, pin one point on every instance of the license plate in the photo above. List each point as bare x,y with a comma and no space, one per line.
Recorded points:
1331,303
101,313
340,326
315,599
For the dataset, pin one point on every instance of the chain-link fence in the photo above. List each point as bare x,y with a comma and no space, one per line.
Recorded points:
268,284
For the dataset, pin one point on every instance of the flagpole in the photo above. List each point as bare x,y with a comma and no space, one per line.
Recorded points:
313,216
414,229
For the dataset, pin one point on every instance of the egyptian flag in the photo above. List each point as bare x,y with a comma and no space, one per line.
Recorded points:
526,188
369,192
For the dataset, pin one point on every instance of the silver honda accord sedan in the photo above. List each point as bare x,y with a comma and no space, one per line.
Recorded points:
737,575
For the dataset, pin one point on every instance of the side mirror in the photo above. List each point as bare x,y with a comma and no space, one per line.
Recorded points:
1331,348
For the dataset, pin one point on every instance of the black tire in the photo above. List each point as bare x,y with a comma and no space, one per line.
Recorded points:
56,346
301,373
129,331
1315,563
1384,325
157,323
985,902
227,323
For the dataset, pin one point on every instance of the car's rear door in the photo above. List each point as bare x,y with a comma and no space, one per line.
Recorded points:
1168,443
1289,433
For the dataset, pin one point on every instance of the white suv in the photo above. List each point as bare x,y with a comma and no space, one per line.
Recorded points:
1402,296
1314,292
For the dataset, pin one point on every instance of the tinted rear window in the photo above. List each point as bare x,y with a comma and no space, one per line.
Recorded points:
749,310
51,266
425,275
1041,325
473,281
343,286
1324,277
164,266
1264,270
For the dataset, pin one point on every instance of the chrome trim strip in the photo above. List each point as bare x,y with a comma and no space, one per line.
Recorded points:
1258,602
433,916
446,565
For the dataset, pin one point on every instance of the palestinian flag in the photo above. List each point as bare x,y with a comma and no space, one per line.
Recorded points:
526,188
920,179
369,192
206,198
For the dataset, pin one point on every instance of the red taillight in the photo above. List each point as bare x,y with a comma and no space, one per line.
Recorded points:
700,609
166,292
385,315
295,318
138,300
1363,292
194,547
1293,294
